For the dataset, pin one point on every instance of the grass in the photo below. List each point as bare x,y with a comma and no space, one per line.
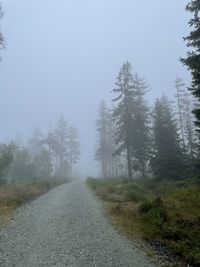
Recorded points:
167,211
14,194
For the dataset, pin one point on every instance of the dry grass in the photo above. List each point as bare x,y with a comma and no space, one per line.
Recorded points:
124,215
168,212
13,195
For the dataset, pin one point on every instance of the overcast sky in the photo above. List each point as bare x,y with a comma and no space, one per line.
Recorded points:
63,56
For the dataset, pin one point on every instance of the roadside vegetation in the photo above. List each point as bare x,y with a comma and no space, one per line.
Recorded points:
14,194
165,212
140,140
28,170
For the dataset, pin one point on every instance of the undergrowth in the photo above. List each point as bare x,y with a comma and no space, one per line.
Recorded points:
166,211
16,193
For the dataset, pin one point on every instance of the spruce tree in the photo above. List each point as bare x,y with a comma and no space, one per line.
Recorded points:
6,158
104,149
167,156
186,121
179,85
123,113
73,148
131,115
140,144
189,128
60,134
192,61
35,142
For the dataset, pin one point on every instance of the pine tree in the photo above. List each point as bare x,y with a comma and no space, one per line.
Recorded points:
140,143
73,148
35,142
189,128
50,145
104,150
192,61
42,165
179,93
186,121
6,158
131,115
22,167
167,158
123,113
113,160
60,135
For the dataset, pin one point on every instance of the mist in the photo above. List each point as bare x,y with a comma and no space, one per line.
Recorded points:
64,56
100,133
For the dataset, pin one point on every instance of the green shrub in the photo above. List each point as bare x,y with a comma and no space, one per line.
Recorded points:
132,195
145,207
153,215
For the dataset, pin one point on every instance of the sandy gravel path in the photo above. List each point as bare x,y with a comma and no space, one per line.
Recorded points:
66,227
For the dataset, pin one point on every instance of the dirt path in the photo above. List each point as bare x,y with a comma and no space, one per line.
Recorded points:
66,227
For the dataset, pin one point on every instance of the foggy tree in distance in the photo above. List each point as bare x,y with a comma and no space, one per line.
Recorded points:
60,133
167,156
179,91
6,158
73,148
132,120
186,120
104,150
123,112
34,143
140,143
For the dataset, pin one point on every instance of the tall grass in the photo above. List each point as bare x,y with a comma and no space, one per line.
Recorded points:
18,192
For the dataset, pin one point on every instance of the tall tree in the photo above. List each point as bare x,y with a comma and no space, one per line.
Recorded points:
140,143
167,158
132,120
42,165
192,61
123,112
35,142
51,146
179,84
103,153
189,128
6,158
186,120
60,134
22,167
73,148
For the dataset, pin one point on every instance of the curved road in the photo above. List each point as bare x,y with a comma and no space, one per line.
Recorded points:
66,227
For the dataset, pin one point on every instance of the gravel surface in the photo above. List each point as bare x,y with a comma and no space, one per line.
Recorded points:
66,227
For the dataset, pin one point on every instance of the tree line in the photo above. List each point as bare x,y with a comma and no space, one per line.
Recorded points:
163,140
44,156
134,138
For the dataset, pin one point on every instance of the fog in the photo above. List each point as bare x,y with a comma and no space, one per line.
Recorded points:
63,57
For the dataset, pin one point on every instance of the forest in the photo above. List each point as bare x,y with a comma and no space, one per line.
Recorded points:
153,150
28,170
147,153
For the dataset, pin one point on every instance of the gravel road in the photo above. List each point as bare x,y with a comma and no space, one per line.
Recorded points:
66,227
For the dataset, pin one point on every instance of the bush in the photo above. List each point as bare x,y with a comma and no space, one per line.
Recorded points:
152,215
132,192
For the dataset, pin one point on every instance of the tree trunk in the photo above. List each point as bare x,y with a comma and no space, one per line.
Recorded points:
130,176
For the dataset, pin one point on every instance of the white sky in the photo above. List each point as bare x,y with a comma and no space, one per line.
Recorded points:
63,56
